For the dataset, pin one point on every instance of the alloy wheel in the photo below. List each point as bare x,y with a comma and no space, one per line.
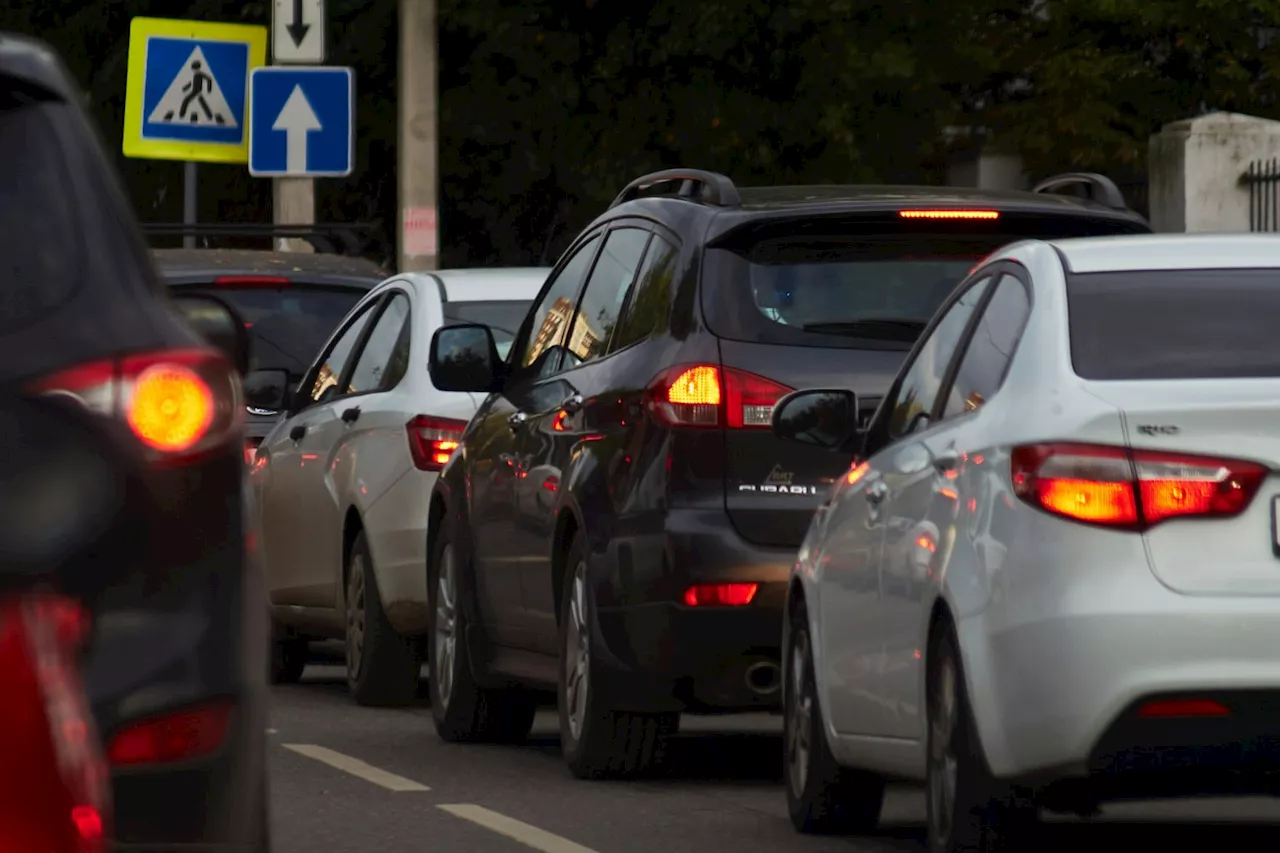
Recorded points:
943,765
577,657
799,716
446,639
355,616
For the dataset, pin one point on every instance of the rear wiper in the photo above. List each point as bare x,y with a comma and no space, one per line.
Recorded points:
887,328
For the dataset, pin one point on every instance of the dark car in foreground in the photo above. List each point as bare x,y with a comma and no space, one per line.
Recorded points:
636,401
176,674
291,302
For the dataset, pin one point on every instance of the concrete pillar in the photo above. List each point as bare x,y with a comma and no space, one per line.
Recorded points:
976,164
419,240
1194,168
294,203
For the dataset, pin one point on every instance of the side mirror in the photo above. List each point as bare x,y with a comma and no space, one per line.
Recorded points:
826,418
266,392
219,324
464,358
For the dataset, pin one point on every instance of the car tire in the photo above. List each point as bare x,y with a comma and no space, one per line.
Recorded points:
382,666
823,798
463,711
289,657
598,741
968,810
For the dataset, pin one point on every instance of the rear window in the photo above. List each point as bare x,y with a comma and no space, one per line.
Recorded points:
1181,324
502,316
289,325
856,284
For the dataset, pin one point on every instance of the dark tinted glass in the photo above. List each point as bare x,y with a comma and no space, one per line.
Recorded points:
986,361
385,356
39,265
502,317
649,308
551,317
1184,324
288,325
841,282
602,300
923,381
324,385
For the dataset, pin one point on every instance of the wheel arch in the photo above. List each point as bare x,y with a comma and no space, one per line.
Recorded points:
568,523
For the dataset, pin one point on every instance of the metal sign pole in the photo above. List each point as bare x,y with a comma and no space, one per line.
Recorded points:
190,200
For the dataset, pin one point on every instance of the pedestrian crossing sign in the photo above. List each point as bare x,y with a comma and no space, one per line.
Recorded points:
188,89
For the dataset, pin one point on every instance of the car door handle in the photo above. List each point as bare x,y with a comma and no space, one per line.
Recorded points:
298,432
517,420
351,415
946,461
877,492
572,404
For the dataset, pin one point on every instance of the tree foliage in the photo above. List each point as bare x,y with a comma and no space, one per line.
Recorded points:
549,107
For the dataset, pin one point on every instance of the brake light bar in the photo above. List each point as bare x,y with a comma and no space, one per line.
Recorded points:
251,281
720,594
1131,489
949,214
1182,708
706,395
432,440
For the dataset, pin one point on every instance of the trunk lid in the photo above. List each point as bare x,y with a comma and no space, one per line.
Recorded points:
1224,419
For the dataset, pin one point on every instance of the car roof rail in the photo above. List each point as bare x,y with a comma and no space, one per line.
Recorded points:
695,185
328,238
1101,188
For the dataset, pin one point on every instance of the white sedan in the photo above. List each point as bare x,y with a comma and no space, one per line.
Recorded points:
343,480
1054,579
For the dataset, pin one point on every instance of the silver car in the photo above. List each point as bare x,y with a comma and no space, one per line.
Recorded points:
1054,578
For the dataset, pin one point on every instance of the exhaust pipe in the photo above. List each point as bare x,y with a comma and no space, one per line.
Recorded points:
764,677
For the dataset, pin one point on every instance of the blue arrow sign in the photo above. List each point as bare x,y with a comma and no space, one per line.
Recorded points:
302,122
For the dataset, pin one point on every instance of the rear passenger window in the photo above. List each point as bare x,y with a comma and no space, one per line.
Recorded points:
649,307
923,381
607,287
991,348
324,386
385,357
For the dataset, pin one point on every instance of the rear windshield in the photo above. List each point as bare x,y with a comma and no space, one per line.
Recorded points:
856,284
1183,324
289,325
503,317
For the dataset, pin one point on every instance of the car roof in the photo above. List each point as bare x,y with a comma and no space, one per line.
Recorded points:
485,284
1169,252
889,195
36,63
199,266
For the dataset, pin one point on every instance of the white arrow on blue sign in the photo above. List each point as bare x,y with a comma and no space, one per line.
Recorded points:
302,122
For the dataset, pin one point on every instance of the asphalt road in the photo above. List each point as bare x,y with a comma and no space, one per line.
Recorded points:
347,779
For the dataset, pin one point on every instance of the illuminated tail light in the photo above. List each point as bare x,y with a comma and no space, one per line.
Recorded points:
177,403
949,214
432,441
182,736
251,281
704,395
1133,489
720,594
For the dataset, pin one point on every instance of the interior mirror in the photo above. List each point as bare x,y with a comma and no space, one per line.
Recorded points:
826,418
266,392
464,357
219,324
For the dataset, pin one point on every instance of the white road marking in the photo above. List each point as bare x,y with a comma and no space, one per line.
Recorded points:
526,834
356,767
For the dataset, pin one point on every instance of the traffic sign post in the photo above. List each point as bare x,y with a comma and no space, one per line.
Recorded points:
302,122
297,32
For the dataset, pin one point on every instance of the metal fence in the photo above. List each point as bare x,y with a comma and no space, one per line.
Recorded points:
1263,180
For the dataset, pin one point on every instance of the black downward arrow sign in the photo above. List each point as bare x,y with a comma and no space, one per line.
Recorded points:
297,29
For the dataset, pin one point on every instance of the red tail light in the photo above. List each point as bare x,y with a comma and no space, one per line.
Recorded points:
54,791
949,214
720,594
182,736
1174,708
1132,489
251,281
177,403
432,441
703,395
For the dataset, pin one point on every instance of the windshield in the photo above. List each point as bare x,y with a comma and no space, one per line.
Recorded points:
288,325
503,317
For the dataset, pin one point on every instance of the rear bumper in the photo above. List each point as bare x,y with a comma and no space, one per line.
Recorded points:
665,655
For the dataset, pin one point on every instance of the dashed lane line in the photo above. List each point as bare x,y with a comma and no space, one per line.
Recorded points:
526,834
356,767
